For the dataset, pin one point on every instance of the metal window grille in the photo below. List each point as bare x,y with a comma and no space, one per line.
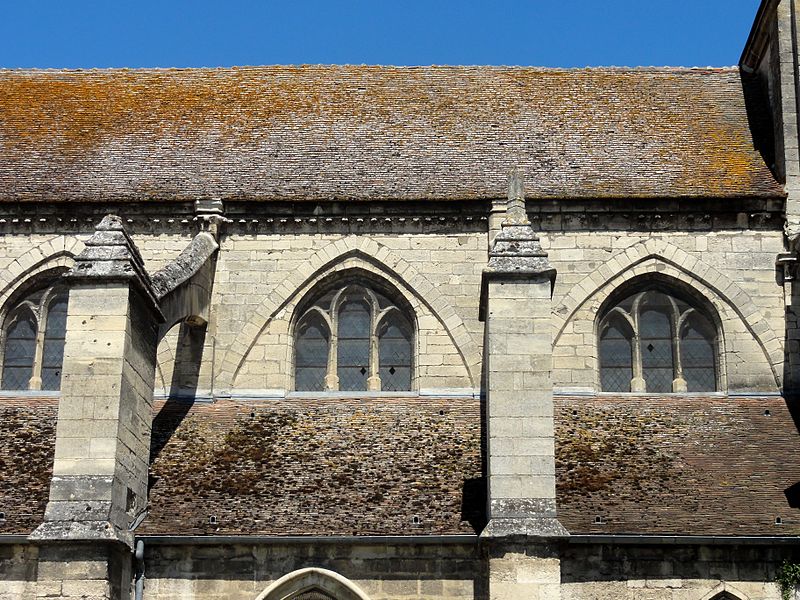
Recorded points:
616,357
656,346
53,351
698,355
394,344
311,354
32,358
354,341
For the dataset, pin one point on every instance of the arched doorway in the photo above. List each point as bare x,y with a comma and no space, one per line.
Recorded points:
725,591
313,595
313,584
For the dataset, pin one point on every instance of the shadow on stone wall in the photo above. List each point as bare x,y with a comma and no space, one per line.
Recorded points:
183,387
625,563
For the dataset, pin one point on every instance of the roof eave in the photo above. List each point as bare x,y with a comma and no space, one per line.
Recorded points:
754,47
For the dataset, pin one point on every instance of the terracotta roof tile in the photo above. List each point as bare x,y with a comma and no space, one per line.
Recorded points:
671,465
361,132
27,444
678,465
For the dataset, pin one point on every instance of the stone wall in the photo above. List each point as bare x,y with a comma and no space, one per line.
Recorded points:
17,571
434,571
267,265
671,572
382,571
733,270
261,279
727,255
389,571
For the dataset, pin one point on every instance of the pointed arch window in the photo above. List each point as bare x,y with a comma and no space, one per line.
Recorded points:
32,345
655,342
353,339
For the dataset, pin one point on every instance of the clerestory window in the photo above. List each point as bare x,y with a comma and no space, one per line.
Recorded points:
33,341
353,339
656,343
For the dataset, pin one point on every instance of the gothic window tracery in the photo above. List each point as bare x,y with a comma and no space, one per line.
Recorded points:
32,345
353,338
654,342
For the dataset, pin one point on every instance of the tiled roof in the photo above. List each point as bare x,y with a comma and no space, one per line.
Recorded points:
361,132
311,466
678,465
671,465
27,444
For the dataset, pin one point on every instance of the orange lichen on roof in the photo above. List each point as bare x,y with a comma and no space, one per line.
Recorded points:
366,132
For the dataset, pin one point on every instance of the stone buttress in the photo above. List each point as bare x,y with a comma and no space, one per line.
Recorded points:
516,307
99,485
769,65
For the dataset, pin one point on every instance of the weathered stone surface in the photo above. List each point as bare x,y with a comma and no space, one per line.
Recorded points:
674,191
187,263
528,527
111,255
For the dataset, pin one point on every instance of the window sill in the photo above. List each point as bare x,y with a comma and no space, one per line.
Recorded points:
29,394
725,394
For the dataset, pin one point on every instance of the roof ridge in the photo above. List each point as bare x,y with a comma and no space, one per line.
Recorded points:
310,66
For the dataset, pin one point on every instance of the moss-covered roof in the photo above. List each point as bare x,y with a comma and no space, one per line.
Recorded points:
678,465
27,444
363,132
317,466
668,465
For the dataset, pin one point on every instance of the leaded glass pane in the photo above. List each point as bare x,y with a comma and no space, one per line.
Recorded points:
310,379
353,350
616,362
53,352
19,352
698,354
394,349
656,314
311,354
656,344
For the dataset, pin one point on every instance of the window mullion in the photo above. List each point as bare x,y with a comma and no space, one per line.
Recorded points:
374,379
637,383
40,316
331,378
679,383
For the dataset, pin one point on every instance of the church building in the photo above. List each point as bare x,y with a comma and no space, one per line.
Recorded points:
396,333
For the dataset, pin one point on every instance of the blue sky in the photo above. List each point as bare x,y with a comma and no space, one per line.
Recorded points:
557,33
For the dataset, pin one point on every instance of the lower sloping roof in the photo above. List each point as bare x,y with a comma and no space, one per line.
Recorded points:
646,465
705,465
313,466
27,444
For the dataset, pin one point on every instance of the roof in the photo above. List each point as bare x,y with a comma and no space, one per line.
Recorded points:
27,444
668,465
376,133
317,466
678,465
